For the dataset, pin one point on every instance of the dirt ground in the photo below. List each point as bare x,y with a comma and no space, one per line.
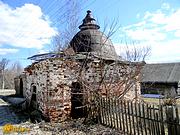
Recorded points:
18,119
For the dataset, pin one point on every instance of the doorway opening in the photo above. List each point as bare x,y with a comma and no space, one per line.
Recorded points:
77,101
33,102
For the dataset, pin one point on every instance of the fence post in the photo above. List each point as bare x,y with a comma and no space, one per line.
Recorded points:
177,121
170,120
162,120
98,109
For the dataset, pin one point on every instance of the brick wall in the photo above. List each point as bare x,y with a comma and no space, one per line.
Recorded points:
53,80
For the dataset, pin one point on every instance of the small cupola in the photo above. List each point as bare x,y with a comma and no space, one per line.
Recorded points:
89,22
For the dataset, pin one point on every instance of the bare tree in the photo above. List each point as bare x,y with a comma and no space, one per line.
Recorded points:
134,52
3,65
9,73
96,71
17,68
107,77
71,20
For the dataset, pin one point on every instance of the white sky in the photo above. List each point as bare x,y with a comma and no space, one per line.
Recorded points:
160,30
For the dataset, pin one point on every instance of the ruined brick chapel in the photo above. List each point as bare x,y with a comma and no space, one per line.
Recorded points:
51,84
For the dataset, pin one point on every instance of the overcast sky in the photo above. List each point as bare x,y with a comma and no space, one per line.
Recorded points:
27,26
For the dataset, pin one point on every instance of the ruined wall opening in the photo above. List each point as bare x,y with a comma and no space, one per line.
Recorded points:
33,93
33,103
21,87
76,101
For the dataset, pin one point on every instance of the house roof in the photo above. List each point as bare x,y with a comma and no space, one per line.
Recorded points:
164,73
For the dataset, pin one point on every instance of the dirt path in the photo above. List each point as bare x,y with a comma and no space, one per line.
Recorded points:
10,115
6,113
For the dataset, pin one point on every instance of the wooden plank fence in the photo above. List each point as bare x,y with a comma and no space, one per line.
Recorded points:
138,118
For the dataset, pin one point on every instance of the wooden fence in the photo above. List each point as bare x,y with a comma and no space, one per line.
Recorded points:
138,118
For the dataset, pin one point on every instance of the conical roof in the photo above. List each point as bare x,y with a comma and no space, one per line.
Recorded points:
90,39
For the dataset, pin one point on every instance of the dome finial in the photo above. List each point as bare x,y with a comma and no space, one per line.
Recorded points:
89,22
89,11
